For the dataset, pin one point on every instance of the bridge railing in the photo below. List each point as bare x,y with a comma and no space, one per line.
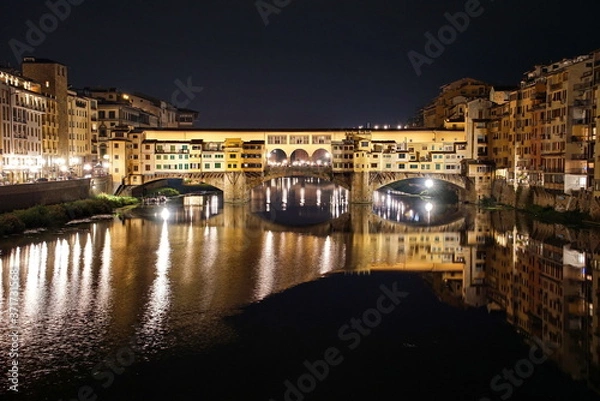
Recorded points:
297,170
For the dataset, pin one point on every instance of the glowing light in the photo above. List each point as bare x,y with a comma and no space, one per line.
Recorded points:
429,183
165,214
429,206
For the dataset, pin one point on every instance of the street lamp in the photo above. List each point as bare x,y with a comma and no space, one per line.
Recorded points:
60,162
87,168
74,163
106,163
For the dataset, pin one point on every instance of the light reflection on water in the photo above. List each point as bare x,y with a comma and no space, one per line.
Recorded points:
152,332
162,284
413,210
299,201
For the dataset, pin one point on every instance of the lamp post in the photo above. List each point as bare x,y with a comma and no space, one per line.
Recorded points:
106,164
60,164
87,168
74,165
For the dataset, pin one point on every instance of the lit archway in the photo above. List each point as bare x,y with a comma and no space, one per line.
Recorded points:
321,157
299,157
277,157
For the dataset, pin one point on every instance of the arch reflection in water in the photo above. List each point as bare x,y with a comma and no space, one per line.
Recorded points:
413,210
298,201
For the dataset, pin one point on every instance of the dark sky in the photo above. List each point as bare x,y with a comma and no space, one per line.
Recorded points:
325,63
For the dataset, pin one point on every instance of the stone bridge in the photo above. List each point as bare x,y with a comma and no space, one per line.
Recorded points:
236,186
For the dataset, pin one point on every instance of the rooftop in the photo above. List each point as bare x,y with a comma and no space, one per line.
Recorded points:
34,60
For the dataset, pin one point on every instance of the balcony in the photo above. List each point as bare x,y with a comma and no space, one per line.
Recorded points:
582,103
576,139
582,86
580,121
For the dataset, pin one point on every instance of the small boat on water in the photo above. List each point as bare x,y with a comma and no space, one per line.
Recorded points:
155,200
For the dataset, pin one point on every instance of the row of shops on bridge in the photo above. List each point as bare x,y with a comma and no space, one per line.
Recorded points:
142,155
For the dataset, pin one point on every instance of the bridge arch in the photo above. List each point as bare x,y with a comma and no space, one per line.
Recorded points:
364,184
173,182
380,180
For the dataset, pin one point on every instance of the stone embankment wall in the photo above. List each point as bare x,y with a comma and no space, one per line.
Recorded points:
22,196
582,201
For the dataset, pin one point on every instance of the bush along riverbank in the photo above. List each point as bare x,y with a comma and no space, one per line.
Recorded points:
17,221
544,214
550,215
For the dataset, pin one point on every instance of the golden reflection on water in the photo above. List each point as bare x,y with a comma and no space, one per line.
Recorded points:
266,266
167,283
159,299
2,284
85,297
104,284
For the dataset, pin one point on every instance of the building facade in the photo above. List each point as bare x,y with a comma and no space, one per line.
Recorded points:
450,104
83,125
53,78
22,110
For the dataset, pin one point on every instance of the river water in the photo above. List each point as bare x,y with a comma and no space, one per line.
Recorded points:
299,295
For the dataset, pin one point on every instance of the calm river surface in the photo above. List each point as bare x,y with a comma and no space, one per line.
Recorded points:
300,296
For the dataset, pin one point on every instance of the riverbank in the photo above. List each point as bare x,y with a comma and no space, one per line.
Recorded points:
548,215
40,217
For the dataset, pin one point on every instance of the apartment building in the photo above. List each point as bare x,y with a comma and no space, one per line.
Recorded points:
82,126
22,110
550,135
450,104
53,77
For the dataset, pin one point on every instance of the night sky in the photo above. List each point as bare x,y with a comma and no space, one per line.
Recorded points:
326,63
